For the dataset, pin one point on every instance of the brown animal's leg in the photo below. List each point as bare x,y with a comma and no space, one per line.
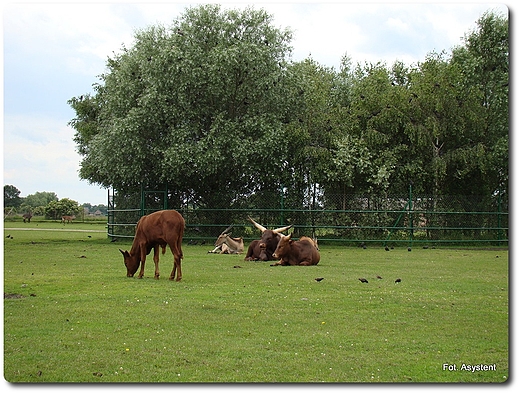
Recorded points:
177,256
306,263
143,259
277,263
156,260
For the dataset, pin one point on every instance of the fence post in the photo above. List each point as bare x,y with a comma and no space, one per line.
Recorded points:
165,202
282,206
499,218
142,200
410,214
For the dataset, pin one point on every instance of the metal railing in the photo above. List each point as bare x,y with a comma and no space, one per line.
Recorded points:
387,221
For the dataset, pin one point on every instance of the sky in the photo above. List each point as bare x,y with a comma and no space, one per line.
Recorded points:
55,51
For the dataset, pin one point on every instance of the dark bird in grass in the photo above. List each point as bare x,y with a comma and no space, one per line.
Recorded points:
378,277
387,248
318,279
363,280
398,280
409,249
237,266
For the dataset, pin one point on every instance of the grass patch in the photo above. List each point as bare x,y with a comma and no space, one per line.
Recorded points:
77,318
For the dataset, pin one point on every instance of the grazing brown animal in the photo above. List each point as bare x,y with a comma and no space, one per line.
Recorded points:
160,228
27,216
301,252
67,219
264,248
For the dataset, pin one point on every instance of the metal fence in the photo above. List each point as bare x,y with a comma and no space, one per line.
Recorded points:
341,219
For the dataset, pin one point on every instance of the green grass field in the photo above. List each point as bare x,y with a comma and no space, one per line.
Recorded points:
72,315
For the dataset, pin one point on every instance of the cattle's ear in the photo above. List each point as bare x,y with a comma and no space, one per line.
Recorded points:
125,253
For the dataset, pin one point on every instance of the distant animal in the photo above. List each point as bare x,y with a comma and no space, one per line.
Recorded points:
363,280
301,252
378,277
398,280
228,245
264,248
319,279
387,248
67,219
27,216
156,230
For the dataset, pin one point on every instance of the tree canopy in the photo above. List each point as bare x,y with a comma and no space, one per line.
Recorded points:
214,107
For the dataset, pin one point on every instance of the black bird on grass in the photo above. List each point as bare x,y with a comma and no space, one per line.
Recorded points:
363,280
319,279
378,277
387,248
398,280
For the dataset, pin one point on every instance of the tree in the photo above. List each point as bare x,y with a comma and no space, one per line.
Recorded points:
64,207
198,105
12,196
39,199
484,62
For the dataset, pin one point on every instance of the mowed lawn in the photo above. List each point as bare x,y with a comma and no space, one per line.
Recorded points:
72,315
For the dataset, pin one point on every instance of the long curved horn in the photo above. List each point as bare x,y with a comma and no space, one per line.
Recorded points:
258,226
281,229
226,230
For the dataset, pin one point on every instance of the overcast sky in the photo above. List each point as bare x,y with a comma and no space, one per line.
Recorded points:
54,51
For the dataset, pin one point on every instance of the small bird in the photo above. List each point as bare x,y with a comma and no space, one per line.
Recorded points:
318,279
237,266
363,280
387,248
409,249
398,280
378,277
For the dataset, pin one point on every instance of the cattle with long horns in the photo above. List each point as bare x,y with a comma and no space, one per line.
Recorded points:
264,248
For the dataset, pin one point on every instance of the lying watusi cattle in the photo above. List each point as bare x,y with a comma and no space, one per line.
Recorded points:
160,228
264,248
301,252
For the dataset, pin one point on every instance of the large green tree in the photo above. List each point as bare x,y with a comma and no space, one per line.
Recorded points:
12,196
212,106
198,105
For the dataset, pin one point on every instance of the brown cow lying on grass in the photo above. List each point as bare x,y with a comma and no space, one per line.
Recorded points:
263,249
301,252
156,229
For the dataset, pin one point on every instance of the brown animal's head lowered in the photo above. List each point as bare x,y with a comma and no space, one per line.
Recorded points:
131,263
